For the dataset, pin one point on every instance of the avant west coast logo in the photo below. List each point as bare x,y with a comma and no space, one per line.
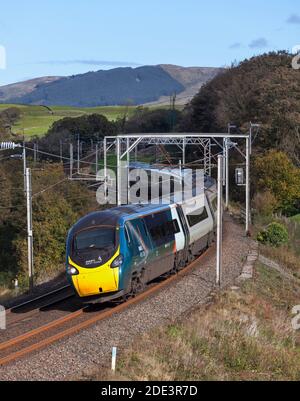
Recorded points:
2,58
296,59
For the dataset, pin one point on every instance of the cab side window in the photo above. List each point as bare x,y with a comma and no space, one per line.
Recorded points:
197,217
136,237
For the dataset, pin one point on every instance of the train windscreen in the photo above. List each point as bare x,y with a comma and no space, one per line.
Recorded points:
95,246
95,239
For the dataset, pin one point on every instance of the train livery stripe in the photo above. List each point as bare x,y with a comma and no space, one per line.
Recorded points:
100,280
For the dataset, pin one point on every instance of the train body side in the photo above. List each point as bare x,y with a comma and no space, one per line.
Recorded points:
149,241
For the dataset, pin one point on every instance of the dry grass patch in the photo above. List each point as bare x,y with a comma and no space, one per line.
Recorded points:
243,335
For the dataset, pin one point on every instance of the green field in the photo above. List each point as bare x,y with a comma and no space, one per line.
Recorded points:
36,120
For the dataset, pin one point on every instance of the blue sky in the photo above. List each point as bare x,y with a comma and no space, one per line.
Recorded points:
74,36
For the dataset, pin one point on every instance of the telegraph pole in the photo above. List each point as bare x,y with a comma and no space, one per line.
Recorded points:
219,222
29,227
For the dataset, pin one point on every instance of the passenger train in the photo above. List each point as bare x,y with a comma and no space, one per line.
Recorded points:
113,254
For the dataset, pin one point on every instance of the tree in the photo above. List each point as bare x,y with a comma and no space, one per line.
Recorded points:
275,172
91,127
151,121
265,90
54,212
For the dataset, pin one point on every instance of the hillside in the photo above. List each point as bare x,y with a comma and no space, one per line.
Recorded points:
20,89
36,120
118,86
192,78
263,90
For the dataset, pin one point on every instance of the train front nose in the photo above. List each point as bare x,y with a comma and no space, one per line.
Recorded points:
101,280
91,263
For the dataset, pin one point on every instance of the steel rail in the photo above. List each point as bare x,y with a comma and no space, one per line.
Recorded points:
22,316
39,298
87,323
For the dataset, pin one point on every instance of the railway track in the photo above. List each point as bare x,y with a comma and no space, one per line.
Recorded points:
25,304
41,337
32,307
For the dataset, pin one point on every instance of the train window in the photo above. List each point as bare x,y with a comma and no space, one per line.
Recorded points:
137,237
160,228
197,217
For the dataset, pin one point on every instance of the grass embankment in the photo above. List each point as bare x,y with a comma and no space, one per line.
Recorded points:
36,120
244,334
289,254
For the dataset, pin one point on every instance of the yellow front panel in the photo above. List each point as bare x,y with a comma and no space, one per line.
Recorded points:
89,281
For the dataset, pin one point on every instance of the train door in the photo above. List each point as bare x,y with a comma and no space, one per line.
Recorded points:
200,222
140,246
162,232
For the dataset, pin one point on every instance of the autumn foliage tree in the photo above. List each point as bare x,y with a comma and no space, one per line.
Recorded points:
275,173
263,90
57,204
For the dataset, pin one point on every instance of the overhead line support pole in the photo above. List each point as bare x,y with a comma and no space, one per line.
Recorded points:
78,155
29,228
97,158
105,165
119,171
71,160
219,222
248,208
24,166
227,172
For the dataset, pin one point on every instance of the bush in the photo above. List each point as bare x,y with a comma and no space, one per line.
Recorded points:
264,203
275,235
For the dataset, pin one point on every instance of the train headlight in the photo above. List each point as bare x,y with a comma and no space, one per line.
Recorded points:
72,271
117,262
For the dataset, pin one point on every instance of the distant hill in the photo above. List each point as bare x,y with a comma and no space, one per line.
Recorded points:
192,78
118,86
13,91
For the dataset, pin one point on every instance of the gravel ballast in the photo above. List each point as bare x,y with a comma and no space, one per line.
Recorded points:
90,349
